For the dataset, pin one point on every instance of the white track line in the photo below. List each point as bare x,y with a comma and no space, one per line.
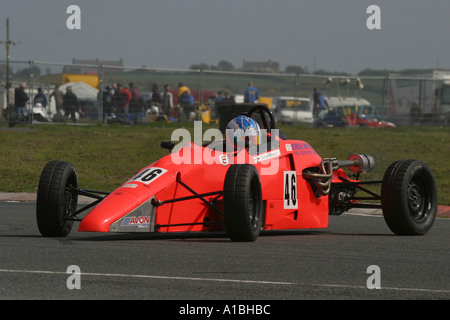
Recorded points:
221,280
147,276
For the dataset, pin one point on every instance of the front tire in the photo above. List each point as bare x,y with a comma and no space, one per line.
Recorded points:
55,202
243,208
409,197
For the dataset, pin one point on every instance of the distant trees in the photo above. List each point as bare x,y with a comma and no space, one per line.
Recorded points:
222,65
225,65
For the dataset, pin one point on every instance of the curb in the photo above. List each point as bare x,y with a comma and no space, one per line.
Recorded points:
442,211
31,197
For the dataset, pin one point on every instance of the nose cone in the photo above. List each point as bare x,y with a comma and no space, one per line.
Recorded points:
110,209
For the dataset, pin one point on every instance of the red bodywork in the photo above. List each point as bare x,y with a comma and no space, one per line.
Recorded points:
131,207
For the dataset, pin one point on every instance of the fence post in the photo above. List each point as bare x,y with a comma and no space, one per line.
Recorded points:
30,89
100,93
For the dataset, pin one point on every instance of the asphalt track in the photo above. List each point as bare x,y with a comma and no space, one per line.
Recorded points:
334,263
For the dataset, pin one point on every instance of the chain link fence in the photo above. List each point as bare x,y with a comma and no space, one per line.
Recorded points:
401,100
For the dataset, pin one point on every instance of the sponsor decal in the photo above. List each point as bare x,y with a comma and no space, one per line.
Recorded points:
302,148
267,155
140,222
223,159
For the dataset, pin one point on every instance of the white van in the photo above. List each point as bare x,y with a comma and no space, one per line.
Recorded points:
292,109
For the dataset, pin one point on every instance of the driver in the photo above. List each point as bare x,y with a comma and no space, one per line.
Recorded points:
242,132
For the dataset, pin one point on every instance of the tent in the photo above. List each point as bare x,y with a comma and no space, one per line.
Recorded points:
82,90
90,79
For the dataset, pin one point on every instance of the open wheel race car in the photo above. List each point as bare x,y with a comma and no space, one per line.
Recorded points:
282,184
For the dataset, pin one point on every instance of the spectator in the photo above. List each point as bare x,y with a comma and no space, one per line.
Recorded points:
156,96
20,100
220,96
41,98
186,101
135,98
109,104
123,98
70,104
58,94
251,94
167,101
182,88
320,103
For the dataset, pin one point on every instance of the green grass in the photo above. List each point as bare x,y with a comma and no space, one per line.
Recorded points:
106,156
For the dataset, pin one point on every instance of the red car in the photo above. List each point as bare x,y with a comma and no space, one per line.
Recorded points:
284,184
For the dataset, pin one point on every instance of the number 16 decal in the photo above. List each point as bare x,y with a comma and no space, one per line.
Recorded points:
290,190
148,175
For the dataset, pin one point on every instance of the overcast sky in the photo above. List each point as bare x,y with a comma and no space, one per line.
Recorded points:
325,34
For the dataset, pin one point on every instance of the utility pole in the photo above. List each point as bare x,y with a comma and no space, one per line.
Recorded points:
8,44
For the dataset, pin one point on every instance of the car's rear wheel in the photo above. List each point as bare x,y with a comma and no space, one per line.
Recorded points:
243,208
409,197
55,201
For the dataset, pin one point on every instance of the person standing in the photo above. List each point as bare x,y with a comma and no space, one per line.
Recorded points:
123,99
58,94
135,98
20,100
251,94
319,103
70,104
167,101
109,106
186,101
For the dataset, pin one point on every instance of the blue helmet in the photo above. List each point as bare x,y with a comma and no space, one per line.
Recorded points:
243,131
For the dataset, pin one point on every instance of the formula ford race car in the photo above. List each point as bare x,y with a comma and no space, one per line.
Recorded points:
281,184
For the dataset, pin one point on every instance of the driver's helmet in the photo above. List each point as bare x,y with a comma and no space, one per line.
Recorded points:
243,131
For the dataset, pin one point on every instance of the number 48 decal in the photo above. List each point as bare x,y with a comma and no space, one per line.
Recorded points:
290,190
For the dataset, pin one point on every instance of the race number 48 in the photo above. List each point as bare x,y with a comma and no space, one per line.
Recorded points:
290,190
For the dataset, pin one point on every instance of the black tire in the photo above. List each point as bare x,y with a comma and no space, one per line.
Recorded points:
55,204
243,208
409,197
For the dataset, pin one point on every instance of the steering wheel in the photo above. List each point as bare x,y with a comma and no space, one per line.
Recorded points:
263,110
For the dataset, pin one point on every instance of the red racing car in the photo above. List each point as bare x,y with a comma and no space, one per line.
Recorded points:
279,184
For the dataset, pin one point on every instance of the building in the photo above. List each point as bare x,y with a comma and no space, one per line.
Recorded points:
89,66
264,66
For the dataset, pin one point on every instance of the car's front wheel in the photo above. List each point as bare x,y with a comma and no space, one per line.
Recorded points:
409,197
55,202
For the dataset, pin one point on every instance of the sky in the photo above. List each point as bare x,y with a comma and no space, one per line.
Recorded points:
315,34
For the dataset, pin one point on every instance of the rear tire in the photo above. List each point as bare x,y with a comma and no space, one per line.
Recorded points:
55,203
409,197
243,208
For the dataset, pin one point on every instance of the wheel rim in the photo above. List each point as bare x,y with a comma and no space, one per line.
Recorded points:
253,207
70,199
418,200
